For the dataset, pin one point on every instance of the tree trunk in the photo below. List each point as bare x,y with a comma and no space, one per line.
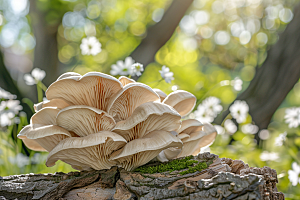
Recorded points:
223,179
276,77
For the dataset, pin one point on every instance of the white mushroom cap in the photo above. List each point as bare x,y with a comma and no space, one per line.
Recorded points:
68,75
59,103
189,126
123,103
43,134
84,120
160,93
140,151
89,152
125,80
146,118
168,154
182,101
93,89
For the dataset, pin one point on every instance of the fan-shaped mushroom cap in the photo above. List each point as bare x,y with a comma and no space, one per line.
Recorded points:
140,151
125,80
84,120
43,134
168,154
160,93
148,117
59,103
93,89
67,75
182,101
123,103
189,126
197,140
89,152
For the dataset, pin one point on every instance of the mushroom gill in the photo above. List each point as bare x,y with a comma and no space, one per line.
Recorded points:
84,120
125,80
93,89
58,103
89,152
140,151
146,118
123,103
161,94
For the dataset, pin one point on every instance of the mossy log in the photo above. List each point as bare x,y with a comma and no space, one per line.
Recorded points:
224,178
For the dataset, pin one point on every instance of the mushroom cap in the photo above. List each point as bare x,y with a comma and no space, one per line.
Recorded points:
182,101
146,118
84,120
140,151
160,93
67,75
123,103
189,126
59,103
46,116
89,152
168,154
125,80
197,140
93,89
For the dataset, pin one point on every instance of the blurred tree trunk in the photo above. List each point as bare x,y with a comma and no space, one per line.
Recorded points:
276,77
46,51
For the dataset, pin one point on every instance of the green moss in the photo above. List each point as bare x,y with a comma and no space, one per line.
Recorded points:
186,163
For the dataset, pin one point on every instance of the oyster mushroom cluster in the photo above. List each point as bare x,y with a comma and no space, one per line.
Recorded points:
96,121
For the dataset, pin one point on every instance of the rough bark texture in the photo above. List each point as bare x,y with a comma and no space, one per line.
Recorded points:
223,179
276,77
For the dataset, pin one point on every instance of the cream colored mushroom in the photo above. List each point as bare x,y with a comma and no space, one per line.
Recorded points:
140,151
125,80
123,103
67,75
160,93
84,120
146,118
182,101
43,134
59,103
89,152
93,89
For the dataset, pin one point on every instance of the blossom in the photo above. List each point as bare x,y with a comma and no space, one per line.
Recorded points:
90,46
239,110
292,117
203,114
137,68
280,139
122,67
96,121
20,160
6,95
230,127
269,156
294,174
36,75
166,74
250,128
237,84
6,118
10,105
213,104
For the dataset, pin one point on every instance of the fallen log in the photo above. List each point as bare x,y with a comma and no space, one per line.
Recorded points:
223,178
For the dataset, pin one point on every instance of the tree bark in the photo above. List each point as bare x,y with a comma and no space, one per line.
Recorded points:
160,33
223,179
276,77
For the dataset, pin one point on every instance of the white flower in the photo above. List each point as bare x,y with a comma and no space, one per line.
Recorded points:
237,84
294,174
11,106
137,68
280,139
269,156
6,95
90,46
250,128
239,110
122,67
292,117
36,75
213,104
6,118
203,115
21,160
230,127
166,74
